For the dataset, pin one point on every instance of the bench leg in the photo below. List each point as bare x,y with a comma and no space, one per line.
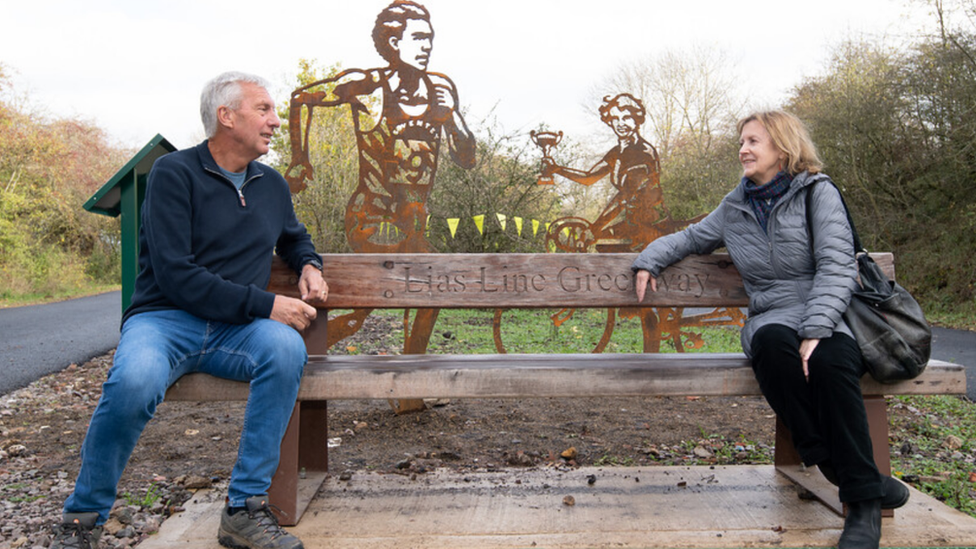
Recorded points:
877,409
788,461
304,461
789,464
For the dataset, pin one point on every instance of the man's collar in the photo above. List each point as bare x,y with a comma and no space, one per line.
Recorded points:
208,161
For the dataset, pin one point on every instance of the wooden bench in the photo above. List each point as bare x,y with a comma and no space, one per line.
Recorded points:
491,281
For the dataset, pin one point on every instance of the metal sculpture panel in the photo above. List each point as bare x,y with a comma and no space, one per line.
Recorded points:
634,216
402,114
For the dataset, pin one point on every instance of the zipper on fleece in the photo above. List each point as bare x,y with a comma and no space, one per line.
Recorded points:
240,192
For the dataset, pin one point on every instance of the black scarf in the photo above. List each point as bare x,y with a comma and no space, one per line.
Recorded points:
763,198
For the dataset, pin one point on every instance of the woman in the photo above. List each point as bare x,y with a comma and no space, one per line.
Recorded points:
799,280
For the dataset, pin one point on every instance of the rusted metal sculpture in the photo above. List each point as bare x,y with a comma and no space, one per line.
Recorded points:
402,113
546,141
634,216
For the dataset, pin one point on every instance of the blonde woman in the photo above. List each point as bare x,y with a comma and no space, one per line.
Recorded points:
799,279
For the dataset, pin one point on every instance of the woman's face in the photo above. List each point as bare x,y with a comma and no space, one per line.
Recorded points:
760,158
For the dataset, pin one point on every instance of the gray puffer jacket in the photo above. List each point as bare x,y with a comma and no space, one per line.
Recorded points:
785,284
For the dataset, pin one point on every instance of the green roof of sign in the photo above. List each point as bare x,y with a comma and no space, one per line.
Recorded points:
106,201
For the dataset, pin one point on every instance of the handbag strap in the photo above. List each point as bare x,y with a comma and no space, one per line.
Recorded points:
858,246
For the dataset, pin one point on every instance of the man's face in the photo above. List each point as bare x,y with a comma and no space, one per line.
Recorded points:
415,45
622,121
255,120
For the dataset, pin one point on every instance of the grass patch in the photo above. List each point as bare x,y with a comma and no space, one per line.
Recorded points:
147,500
614,461
528,331
961,316
933,446
11,299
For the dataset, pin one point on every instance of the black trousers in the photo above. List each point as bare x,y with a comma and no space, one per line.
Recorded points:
826,414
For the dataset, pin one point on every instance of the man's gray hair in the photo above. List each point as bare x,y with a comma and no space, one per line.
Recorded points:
224,90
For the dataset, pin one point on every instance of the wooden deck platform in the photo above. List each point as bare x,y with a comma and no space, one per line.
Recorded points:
625,507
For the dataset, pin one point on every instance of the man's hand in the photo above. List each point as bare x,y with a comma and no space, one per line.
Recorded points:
640,283
293,312
312,286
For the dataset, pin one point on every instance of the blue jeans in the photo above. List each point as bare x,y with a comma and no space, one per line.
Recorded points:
158,347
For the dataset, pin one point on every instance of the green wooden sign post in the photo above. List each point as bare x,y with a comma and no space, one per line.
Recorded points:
123,195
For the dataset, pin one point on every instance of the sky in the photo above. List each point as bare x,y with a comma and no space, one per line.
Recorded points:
136,68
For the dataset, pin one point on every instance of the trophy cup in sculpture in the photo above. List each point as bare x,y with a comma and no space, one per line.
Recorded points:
546,141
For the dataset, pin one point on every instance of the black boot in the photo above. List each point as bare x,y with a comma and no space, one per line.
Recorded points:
862,527
895,493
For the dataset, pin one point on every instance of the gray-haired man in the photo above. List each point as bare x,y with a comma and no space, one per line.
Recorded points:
212,219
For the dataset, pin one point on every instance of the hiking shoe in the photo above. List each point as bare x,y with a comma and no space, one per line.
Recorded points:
254,527
76,531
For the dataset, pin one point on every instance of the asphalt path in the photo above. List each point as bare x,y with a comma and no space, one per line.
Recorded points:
958,346
42,339
38,340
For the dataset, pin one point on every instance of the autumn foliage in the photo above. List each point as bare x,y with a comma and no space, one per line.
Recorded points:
48,167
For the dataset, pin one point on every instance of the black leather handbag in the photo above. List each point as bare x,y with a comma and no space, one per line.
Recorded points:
890,328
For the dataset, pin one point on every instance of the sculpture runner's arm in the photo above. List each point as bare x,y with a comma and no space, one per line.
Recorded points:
343,87
460,140
300,169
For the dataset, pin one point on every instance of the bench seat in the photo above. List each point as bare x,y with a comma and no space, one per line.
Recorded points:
339,377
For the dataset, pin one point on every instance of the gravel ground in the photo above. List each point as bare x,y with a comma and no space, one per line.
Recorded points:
36,478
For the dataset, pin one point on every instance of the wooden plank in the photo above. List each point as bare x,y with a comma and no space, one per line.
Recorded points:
520,280
726,507
521,376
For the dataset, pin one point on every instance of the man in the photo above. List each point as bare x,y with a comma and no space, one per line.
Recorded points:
212,218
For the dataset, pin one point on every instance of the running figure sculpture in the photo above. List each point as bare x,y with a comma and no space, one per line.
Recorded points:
402,113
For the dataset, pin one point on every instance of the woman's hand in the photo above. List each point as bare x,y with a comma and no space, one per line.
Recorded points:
640,283
806,350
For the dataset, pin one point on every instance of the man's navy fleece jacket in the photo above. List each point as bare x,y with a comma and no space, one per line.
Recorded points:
207,249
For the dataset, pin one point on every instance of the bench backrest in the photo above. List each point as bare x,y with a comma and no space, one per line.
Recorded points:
489,281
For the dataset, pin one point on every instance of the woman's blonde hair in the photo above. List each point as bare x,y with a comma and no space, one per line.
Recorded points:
789,135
